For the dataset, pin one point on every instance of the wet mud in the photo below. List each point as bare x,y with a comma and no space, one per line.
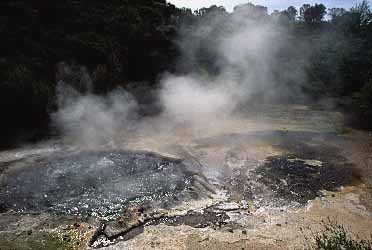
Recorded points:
300,180
95,183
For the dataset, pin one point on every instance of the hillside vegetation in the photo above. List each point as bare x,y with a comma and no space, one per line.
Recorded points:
136,41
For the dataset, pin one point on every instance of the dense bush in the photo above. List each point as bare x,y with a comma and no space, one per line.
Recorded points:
119,40
122,41
336,237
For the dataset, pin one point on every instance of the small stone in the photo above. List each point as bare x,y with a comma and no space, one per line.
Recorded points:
244,232
29,232
140,211
66,238
279,225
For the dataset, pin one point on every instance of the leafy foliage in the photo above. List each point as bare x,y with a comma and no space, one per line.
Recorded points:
336,237
136,40
313,14
131,40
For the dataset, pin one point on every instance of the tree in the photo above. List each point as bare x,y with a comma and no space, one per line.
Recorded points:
312,14
364,12
252,11
336,12
291,13
303,10
212,10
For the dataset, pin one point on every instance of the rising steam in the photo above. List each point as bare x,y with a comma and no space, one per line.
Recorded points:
92,120
243,52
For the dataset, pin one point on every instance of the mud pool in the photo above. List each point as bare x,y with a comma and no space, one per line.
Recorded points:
94,183
256,182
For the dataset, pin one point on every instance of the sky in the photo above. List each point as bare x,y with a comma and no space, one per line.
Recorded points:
272,5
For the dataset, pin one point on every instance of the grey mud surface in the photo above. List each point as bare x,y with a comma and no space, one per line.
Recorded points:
94,183
261,181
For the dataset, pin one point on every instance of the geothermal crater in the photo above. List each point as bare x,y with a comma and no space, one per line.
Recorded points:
112,198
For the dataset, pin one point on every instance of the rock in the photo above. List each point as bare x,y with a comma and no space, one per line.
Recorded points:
232,206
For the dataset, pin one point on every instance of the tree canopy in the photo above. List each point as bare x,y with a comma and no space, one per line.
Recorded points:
121,41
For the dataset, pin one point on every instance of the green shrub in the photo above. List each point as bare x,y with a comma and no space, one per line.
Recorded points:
336,237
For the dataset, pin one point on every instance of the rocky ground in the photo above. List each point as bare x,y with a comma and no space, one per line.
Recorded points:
264,180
